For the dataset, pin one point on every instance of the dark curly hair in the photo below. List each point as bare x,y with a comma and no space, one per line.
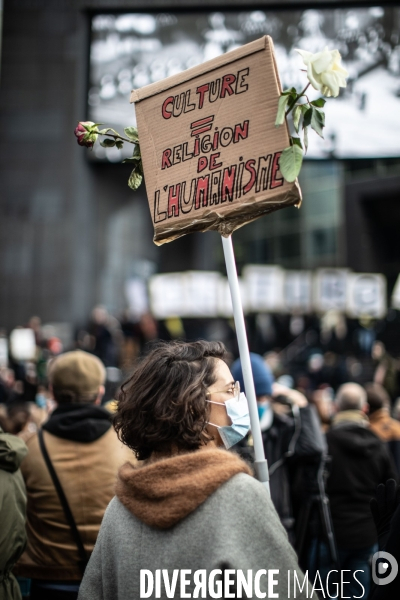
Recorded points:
164,403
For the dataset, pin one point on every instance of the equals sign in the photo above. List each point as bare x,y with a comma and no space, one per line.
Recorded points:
201,126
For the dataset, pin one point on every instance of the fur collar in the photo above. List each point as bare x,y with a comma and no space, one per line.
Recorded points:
163,493
349,417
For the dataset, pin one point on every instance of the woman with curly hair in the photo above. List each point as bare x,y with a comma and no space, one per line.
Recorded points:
188,520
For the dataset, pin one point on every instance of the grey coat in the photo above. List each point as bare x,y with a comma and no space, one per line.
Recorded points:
236,528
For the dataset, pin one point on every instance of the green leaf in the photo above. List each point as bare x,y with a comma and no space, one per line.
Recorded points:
291,103
290,162
296,117
132,133
109,130
119,144
317,121
296,141
108,143
307,117
321,115
305,139
320,102
135,179
132,159
291,92
136,157
280,115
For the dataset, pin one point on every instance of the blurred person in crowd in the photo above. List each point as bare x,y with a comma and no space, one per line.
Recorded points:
80,446
387,369
144,330
333,332
191,503
151,330
322,399
354,370
359,462
105,334
17,418
315,368
12,512
329,373
290,432
35,323
10,389
273,362
30,382
381,423
23,418
130,331
365,335
148,329
54,346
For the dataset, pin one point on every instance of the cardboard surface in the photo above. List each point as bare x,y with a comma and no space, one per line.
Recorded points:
209,144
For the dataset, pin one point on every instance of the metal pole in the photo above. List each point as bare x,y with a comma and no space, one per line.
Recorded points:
260,464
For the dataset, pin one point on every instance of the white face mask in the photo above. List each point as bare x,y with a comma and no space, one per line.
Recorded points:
238,411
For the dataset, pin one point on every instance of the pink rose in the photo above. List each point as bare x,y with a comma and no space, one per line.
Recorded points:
86,133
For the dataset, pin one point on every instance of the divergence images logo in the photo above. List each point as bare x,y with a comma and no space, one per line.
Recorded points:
384,568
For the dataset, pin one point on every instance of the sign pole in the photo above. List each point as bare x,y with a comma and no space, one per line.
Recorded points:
260,464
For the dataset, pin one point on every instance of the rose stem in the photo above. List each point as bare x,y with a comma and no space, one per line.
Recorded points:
119,137
297,98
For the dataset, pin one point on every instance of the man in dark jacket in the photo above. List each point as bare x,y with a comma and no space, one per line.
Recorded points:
291,438
360,461
86,455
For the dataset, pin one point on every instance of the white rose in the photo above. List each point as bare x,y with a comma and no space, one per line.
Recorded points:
324,71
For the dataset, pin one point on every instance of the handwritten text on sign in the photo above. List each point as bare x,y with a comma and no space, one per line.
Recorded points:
210,149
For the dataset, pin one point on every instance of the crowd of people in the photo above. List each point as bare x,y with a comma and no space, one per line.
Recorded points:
175,436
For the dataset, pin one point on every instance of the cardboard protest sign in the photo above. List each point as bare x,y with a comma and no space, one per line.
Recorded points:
209,145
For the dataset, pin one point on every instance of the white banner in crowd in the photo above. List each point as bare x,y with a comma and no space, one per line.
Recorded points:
298,292
264,285
330,286
23,344
201,293
166,295
270,289
191,294
366,295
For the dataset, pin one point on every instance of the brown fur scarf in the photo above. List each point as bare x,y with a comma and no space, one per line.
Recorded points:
164,492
